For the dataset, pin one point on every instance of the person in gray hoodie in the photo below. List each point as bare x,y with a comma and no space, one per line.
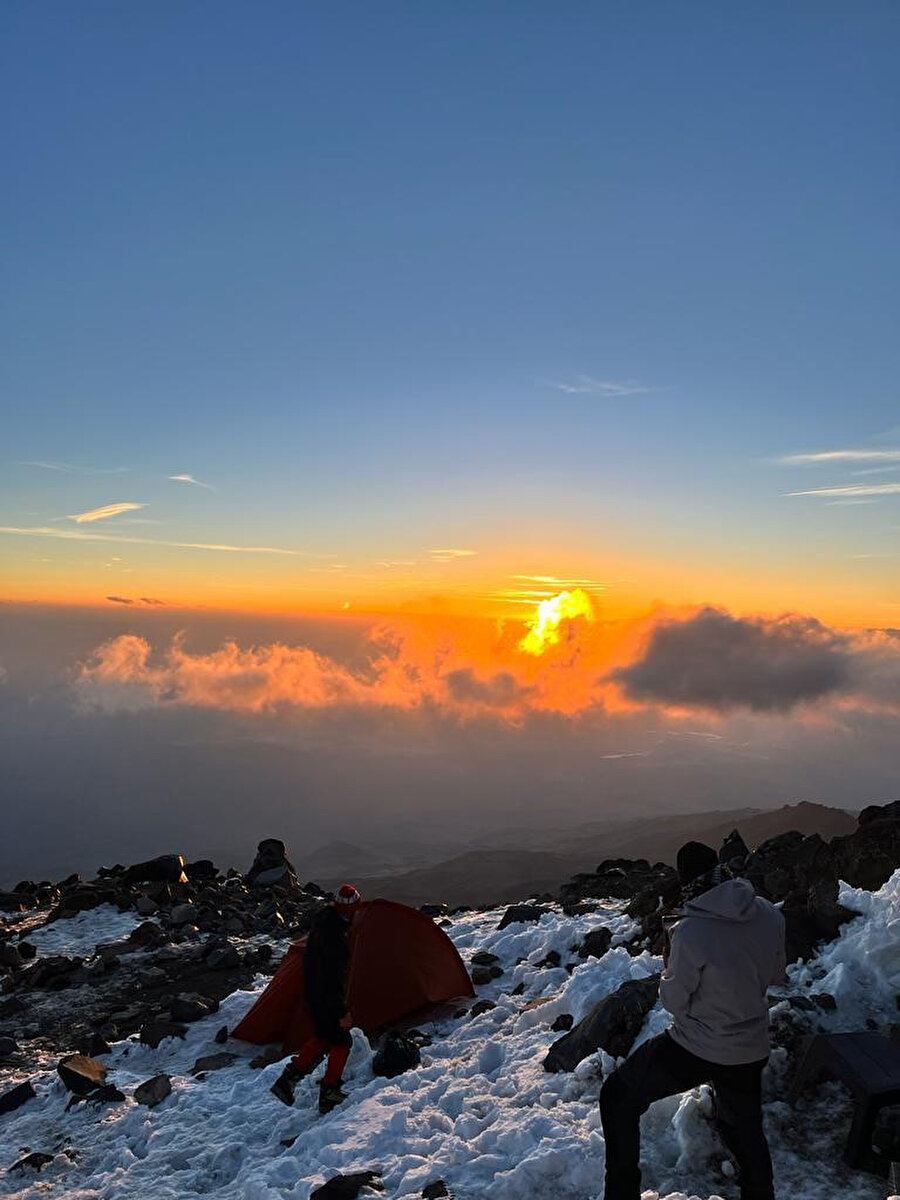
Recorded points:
725,950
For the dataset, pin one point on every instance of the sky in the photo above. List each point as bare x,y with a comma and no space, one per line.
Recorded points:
416,317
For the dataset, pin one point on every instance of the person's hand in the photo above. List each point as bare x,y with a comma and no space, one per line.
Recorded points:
346,1021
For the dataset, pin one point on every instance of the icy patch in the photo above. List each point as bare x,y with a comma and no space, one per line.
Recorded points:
79,935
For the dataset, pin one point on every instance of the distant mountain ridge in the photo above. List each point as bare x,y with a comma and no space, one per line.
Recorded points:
496,876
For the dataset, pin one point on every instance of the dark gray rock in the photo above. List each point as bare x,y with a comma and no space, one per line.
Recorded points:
81,1074
155,1031
522,913
435,1191
563,1023
348,1187
32,1162
596,943
153,1091
484,959
16,1097
213,1062
482,1006
611,1026
191,1006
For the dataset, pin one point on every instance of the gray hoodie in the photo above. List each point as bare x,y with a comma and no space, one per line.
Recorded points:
726,950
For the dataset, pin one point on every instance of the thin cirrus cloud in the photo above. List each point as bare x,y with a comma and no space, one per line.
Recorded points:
852,491
450,554
191,480
108,510
828,457
73,535
586,385
71,469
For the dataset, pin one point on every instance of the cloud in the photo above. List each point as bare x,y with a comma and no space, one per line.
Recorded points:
151,601
72,535
190,479
718,662
449,555
501,690
119,600
586,385
827,457
853,490
69,469
108,510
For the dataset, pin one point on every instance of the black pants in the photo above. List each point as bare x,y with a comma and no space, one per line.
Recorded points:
662,1068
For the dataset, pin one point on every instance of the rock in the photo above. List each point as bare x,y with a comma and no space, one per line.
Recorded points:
550,961
202,869
270,867
483,959
432,910
824,1000
222,1036
482,1006
734,850
563,1023
348,1187
153,1091
10,957
81,1074
596,943
223,958
620,878
183,914
8,1047
612,1025
16,1097
145,906
32,1162
435,1191
95,1045
519,989
395,1055
481,976
213,1062
151,977
271,1054
523,913
148,935
191,1006
27,950
167,868
107,1093
155,1031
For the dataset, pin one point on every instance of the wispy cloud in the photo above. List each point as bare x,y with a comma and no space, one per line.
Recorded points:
561,581
190,479
108,510
852,490
73,535
71,469
119,600
828,457
152,601
396,562
586,385
449,555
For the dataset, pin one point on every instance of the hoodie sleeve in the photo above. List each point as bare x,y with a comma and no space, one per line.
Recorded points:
681,977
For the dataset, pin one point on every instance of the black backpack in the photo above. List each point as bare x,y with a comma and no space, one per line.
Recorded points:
396,1055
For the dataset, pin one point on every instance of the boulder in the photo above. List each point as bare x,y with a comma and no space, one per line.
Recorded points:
148,935
348,1187
436,1190
16,1097
81,1074
183,914
611,1026
146,906
271,867
563,1023
155,1031
221,1036
522,913
481,1007
191,1006
167,868
153,1091
733,852
32,1162
10,957
213,1062
27,950
596,943
8,1047
483,959
395,1055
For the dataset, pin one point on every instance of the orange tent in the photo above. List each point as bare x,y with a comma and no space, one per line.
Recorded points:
400,964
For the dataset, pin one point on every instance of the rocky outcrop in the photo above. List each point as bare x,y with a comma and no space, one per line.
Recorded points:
612,1025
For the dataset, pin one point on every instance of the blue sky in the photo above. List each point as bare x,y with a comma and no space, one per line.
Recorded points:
393,274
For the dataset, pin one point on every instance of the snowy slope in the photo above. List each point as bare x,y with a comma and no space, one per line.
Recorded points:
480,1112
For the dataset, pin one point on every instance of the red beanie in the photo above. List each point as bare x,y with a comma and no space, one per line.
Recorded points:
347,898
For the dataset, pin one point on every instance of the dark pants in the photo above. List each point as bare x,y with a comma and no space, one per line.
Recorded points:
662,1068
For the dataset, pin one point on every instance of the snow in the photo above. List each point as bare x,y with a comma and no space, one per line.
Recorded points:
480,1112
79,935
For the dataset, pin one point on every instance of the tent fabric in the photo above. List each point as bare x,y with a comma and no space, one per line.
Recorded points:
400,963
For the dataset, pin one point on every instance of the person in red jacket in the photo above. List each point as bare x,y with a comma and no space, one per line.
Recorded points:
325,986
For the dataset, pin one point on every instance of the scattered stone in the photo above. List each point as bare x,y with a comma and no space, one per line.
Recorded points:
222,1036
223,958
271,867
824,1000
481,976
396,1054
167,868
153,1091
148,935
191,1006
151,977
16,1097
146,906
95,1045
271,1054
596,943
519,989
550,961
27,950
213,1062
523,913
482,1006
81,1074
183,914
348,1187
8,1047
612,1025
484,959
563,1023
435,1191
33,1162
155,1031
107,1093
10,957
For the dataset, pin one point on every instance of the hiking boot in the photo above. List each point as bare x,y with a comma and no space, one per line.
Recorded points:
284,1085
330,1096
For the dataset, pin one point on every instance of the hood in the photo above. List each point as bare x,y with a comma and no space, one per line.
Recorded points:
734,900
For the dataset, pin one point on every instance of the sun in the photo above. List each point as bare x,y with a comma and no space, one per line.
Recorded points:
545,629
